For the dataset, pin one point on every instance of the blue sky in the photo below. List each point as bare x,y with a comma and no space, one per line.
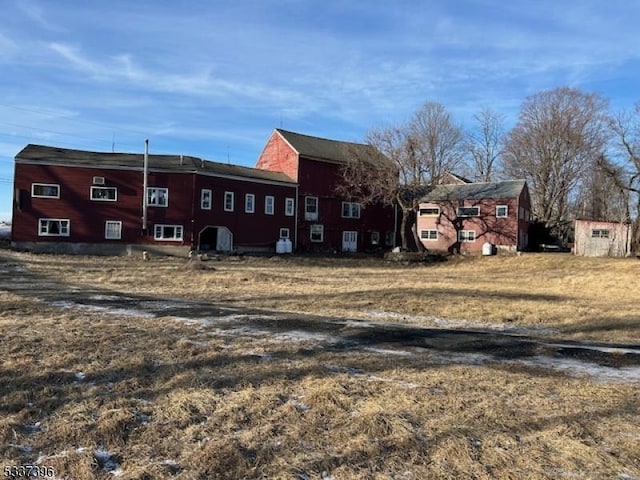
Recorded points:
213,78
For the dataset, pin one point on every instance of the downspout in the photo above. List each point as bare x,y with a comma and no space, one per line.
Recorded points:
193,209
395,223
295,230
145,181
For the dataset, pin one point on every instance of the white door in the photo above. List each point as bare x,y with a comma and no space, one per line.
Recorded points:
224,241
349,241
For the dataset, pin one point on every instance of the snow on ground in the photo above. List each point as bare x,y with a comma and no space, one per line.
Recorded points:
243,325
457,323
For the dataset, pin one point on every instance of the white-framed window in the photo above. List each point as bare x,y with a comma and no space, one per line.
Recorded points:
468,211
289,207
113,230
249,203
228,201
429,235
45,190
467,236
375,238
157,197
311,208
205,199
167,232
284,233
54,227
350,210
317,233
269,203
599,233
430,212
104,194
502,211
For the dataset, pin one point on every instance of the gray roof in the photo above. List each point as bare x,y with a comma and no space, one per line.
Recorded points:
331,150
177,163
475,191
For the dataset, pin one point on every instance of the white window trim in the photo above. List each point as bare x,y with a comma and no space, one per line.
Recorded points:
203,200
429,214
320,229
602,233
269,205
33,193
97,188
428,237
465,216
249,206
289,207
506,208
375,238
350,209
232,196
106,229
284,233
311,215
150,191
463,236
175,238
40,234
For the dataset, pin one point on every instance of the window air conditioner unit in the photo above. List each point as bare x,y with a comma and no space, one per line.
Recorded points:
98,180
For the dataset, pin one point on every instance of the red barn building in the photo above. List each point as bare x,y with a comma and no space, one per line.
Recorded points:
462,217
78,201
327,220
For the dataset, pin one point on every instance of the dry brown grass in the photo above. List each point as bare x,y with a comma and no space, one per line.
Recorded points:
172,400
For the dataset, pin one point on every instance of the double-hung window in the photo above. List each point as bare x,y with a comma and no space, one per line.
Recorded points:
269,202
104,194
502,211
317,233
249,203
157,197
205,199
53,227
228,201
289,207
350,210
311,208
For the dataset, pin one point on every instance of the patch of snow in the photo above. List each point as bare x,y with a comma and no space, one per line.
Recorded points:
598,348
375,378
124,312
107,462
357,324
384,351
33,428
584,369
626,476
81,376
22,448
302,336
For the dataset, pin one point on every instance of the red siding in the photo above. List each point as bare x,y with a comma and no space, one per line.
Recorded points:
502,232
278,156
87,217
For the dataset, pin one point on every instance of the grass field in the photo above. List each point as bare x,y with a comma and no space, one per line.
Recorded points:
95,394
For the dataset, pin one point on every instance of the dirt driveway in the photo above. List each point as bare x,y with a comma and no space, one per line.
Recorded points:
527,348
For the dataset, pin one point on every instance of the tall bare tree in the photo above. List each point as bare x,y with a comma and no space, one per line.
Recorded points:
624,170
418,154
559,135
484,144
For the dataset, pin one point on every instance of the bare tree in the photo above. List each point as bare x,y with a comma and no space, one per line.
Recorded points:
558,136
624,172
484,144
418,153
